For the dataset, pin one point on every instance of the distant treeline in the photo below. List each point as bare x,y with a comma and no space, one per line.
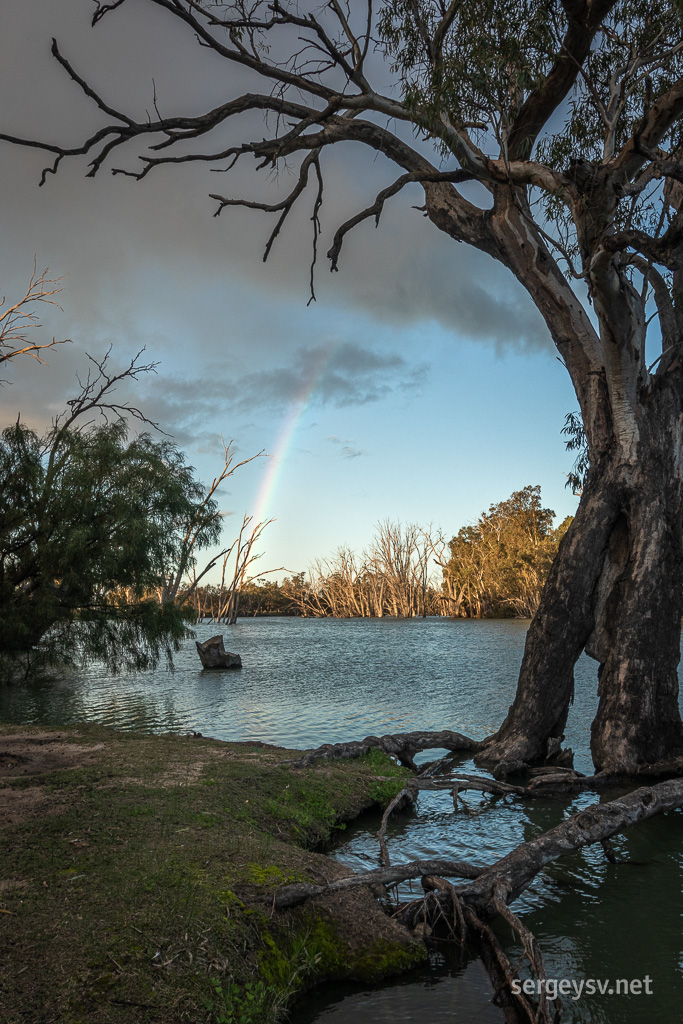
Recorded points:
494,568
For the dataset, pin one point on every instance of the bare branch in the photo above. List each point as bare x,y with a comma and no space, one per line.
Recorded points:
20,318
376,209
291,895
97,389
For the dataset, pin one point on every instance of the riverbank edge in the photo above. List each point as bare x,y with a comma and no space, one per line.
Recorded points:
138,871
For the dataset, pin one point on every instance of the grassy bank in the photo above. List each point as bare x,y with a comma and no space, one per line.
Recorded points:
136,871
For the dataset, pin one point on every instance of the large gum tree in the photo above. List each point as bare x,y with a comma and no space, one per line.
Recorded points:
567,113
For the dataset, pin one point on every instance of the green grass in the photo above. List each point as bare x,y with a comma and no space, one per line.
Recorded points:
144,893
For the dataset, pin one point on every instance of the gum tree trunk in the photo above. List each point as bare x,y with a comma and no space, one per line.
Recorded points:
615,590
558,634
615,587
637,638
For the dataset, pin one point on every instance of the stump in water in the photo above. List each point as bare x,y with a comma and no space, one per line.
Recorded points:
213,654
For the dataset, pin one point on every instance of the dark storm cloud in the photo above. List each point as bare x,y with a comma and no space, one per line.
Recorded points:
196,406
140,255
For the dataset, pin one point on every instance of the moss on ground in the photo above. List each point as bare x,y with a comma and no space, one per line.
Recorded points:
137,872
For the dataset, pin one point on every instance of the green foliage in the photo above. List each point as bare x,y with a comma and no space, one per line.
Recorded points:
576,442
499,565
651,27
90,522
309,811
479,66
490,56
251,1003
475,67
271,875
384,790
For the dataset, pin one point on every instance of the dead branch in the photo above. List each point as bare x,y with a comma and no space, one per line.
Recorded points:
517,869
20,318
401,745
515,1005
97,390
407,794
197,526
492,889
291,895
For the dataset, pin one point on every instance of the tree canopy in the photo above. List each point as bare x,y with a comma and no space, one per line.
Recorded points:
548,136
89,523
498,566
93,522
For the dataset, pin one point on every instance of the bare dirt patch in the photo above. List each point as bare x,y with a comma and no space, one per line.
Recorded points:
18,805
12,883
33,753
23,754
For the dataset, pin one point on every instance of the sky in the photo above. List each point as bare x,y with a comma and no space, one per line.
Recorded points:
421,386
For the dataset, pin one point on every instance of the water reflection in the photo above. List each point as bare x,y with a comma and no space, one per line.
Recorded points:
305,682
444,997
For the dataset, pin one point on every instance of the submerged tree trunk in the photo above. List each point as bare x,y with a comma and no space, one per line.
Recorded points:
615,590
637,636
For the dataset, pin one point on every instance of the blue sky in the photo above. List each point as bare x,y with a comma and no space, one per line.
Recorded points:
431,387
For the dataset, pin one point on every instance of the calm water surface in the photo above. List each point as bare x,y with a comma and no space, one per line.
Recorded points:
305,682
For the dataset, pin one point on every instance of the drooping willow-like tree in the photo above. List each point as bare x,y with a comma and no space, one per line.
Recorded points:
568,113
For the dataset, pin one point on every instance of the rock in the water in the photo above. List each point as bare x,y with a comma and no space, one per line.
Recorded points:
213,654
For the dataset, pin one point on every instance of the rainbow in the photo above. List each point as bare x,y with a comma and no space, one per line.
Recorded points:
300,404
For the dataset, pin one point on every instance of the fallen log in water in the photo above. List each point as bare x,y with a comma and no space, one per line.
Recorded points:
591,825
466,909
291,895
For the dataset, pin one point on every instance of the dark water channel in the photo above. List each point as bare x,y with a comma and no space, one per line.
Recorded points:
310,681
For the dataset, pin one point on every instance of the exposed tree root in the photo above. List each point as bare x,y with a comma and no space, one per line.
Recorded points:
408,793
461,912
291,895
402,745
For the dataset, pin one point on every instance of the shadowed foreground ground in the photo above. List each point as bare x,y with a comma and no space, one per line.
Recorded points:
137,875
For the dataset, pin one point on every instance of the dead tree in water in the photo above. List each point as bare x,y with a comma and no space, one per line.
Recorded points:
241,550
202,528
391,578
592,198
563,162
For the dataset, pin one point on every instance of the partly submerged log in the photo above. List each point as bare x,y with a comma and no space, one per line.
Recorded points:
462,911
213,654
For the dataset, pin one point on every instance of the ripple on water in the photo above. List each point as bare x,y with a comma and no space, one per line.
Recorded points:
306,682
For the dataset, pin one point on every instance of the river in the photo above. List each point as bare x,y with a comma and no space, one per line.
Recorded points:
309,681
